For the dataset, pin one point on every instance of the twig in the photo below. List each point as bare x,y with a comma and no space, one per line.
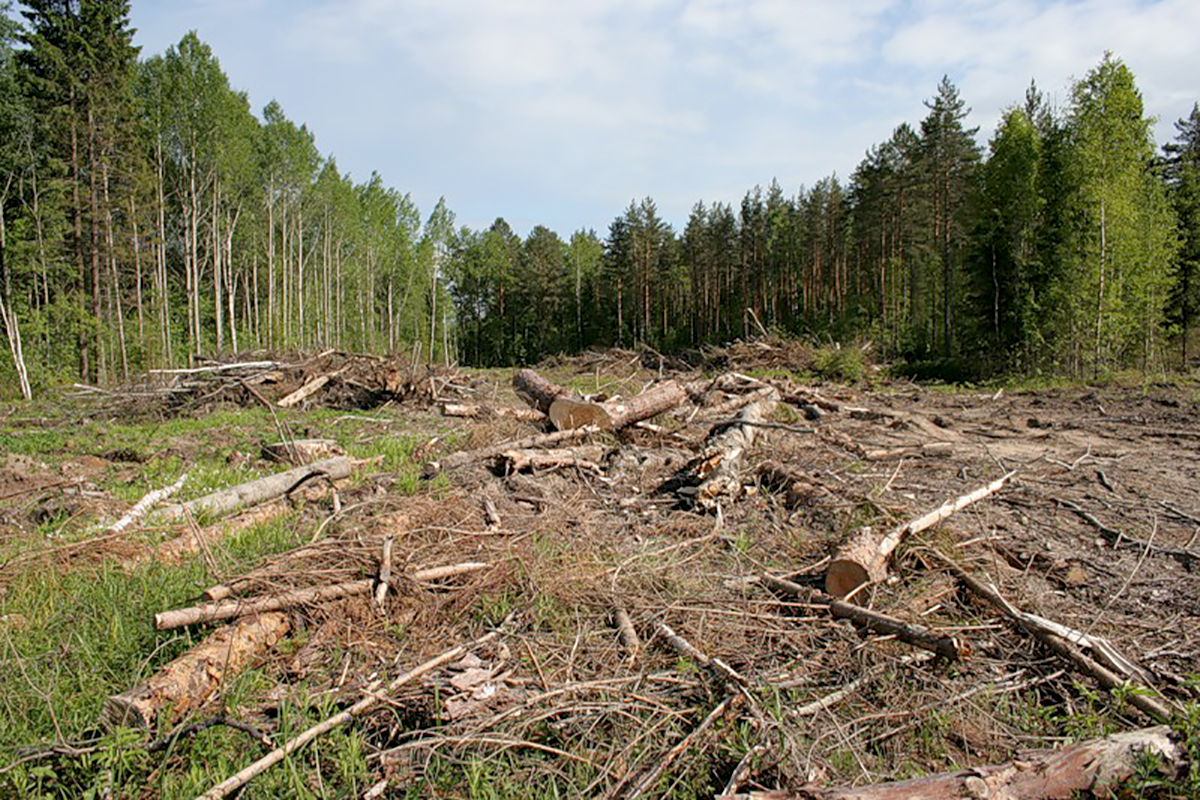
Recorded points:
184,731
651,777
1121,540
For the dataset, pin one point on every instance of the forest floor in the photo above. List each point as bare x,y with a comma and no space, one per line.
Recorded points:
1097,528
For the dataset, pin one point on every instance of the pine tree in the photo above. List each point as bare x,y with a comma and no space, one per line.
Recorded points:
1182,173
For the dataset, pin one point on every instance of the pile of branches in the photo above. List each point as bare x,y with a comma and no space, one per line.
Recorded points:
331,379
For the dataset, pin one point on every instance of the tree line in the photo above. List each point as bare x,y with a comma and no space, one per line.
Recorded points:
149,217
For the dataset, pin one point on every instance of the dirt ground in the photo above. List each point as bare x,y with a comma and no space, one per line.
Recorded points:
1098,528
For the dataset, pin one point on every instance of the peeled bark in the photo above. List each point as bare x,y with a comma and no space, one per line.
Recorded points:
719,465
190,680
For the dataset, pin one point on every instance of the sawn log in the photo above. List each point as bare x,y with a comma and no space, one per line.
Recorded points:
259,491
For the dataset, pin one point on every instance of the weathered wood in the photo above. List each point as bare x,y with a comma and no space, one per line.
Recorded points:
863,558
584,457
258,491
190,680
928,450
627,633
231,608
1092,768
299,452
719,465
304,392
916,635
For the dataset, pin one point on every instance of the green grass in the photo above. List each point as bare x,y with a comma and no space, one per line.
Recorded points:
86,630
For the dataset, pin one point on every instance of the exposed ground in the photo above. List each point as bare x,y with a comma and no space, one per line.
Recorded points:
1097,529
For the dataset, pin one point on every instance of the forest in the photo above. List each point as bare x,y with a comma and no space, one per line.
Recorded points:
148,217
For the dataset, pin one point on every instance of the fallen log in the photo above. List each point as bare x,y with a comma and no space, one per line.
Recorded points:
863,558
258,491
145,504
916,635
196,539
928,450
536,390
650,403
584,458
719,465
1092,768
231,608
304,392
476,411
190,680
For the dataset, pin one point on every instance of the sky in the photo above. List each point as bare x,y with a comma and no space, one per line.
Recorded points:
562,112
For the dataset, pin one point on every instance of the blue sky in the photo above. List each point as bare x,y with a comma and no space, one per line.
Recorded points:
560,112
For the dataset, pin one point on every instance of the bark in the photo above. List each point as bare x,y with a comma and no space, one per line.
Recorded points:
650,403
797,489
464,457
536,390
261,490
190,680
864,557
1092,768
584,457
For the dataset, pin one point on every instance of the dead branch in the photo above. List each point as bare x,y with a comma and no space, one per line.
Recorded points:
628,634
863,558
685,648
916,635
581,458
369,701
385,570
188,681
231,608
652,776
1119,540
1095,768
1065,643
927,450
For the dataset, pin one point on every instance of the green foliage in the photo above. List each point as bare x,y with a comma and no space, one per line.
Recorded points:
840,363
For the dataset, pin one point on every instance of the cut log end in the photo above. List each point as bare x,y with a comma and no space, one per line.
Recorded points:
857,562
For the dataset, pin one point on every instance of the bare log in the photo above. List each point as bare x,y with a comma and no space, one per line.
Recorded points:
916,635
231,608
536,390
628,634
260,490
190,680
650,403
864,557
1092,768
734,403
304,392
369,701
719,465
